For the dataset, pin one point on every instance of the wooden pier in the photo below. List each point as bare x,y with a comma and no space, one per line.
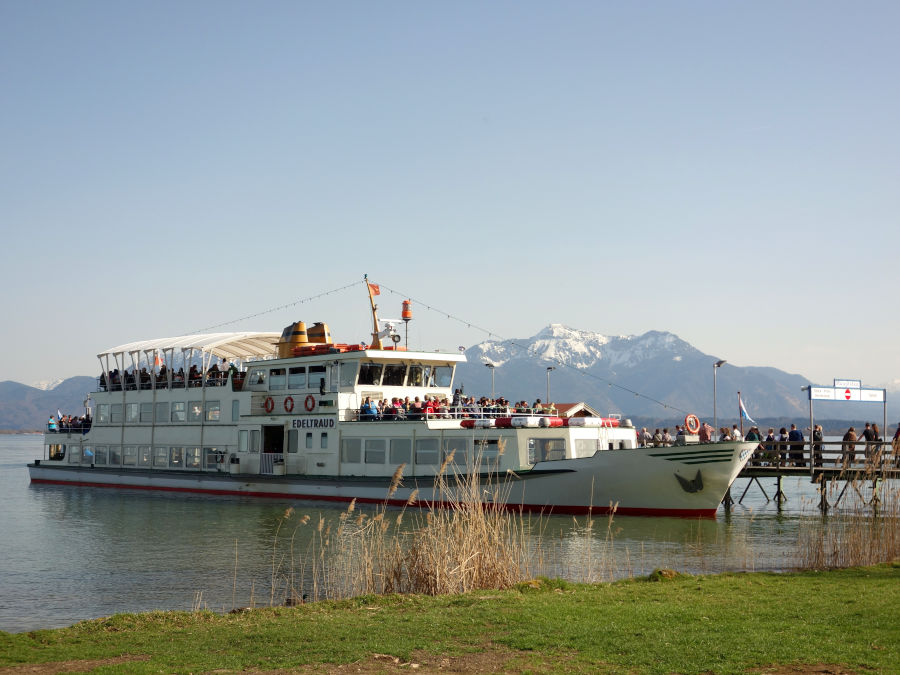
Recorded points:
852,464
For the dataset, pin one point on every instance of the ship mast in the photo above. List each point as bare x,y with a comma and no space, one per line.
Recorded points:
373,291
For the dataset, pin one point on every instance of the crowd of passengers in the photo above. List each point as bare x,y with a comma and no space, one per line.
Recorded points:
461,407
68,423
215,376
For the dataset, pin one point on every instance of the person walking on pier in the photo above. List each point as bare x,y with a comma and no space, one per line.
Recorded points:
849,447
818,438
795,437
869,436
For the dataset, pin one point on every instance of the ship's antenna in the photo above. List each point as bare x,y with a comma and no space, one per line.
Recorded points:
373,291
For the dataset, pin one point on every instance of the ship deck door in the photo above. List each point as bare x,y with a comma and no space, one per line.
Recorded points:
273,438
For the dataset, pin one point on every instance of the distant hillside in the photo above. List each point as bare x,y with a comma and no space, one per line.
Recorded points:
659,366
24,408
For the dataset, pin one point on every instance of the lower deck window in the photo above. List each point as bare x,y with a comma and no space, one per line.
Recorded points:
351,450
401,451
546,449
192,458
376,451
427,451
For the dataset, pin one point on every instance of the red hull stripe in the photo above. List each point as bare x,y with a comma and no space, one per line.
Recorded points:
559,509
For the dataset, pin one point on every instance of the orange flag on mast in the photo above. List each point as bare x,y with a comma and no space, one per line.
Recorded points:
375,289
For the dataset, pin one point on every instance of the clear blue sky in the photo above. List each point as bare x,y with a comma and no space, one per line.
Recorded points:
729,172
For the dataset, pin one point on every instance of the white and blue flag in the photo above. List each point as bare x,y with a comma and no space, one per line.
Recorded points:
744,413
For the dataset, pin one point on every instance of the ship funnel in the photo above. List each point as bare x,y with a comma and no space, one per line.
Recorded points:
320,334
292,336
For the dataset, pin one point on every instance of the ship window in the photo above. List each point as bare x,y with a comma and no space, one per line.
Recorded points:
235,410
144,455
443,376
546,449
243,440
414,379
487,451
375,450
160,456
458,447
427,451
178,414
586,447
292,440
74,454
115,455
401,450
195,411
56,452
102,413
276,379
131,412
146,413
257,379
369,373
316,377
192,458
348,373
212,411
212,457
129,455
309,440
115,413
254,440
297,377
351,450
393,375
87,456
176,458
100,455
162,412
323,440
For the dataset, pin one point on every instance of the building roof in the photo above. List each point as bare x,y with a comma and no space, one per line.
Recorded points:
223,345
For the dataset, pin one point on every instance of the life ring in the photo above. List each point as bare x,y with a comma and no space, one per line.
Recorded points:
309,403
692,423
270,404
289,404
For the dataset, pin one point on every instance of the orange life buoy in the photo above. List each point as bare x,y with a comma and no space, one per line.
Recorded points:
289,404
692,423
270,404
309,403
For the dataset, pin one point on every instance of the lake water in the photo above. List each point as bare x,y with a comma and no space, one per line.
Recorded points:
72,553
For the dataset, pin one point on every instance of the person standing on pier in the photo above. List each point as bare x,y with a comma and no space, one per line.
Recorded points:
795,437
818,438
869,436
849,447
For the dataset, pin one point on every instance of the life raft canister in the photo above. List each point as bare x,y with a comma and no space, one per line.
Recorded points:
289,404
309,403
692,423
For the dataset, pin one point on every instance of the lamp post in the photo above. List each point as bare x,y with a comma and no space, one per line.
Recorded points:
491,366
549,370
716,366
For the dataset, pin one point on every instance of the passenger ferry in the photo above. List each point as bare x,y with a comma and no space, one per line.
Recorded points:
284,417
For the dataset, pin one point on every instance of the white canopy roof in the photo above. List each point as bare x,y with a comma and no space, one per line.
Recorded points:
223,345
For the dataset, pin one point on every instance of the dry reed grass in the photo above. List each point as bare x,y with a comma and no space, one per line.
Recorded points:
864,530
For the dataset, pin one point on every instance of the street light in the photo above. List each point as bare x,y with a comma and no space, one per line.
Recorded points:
491,366
549,369
716,366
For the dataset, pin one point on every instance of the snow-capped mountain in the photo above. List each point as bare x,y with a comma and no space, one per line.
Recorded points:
46,385
652,374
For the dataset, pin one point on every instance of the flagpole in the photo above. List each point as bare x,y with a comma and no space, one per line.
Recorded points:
740,414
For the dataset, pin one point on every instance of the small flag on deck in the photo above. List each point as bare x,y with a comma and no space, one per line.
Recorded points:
58,414
744,413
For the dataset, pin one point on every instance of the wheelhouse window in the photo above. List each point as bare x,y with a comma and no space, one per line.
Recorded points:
257,379
393,375
443,376
369,373
414,379
348,373
316,377
276,379
297,377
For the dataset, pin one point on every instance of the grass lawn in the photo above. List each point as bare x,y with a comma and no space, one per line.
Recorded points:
810,622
